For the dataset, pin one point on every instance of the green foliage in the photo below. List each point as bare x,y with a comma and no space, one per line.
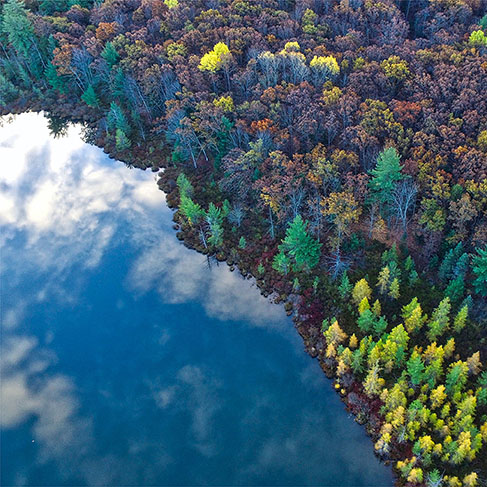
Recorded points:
191,210
89,97
17,26
281,263
184,185
478,39
116,119
299,246
122,142
242,243
479,267
345,286
110,54
415,367
386,174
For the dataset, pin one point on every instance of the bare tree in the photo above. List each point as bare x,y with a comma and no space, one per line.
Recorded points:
403,200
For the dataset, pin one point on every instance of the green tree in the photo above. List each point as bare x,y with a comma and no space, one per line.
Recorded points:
386,174
89,97
460,319
17,26
191,210
415,368
281,263
299,246
110,54
184,185
122,142
479,267
345,286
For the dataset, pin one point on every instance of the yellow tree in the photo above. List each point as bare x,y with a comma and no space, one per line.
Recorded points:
342,209
360,291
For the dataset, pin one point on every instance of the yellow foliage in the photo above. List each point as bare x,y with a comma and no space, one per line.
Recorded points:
225,103
213,60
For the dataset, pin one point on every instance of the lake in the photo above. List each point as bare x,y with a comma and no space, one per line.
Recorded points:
127,359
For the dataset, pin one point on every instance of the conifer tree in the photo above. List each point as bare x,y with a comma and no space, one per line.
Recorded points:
360,291
479,267
385,175
89,97
298,245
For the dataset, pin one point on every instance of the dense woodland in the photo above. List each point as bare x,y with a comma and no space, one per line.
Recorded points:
336,150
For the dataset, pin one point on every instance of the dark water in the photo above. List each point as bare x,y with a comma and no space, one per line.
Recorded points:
126,361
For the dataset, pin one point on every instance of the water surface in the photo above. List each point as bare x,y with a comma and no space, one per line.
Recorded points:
126,360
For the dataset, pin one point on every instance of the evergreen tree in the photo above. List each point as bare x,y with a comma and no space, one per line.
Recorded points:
460,319
191,210
415,368
394,289
479,267
303,249
17,26
456,289
366,321
110,54
122,142
281,263
345,286
89,97
386,174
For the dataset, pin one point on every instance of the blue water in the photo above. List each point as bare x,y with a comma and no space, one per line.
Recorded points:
127,360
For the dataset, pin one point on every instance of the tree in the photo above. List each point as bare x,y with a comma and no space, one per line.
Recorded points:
213,61
343,211
479,267
415,368
303,249
478,39
345,286
386,174
17,26
360,291
191,210
110,54
460,319
456,378
323,68
122,142
89,97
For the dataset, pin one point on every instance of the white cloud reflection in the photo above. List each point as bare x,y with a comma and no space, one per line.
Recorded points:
70,200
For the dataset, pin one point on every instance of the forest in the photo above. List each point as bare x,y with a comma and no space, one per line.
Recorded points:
334,150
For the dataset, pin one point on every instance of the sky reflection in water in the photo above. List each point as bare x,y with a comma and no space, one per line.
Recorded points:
125,360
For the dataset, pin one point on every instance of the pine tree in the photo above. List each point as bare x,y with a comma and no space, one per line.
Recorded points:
415,367
439,319
383,281
366,321
360,291
191,210
89,97
110,54
345,286
122,142
456,289
385,175
460,319
300,246
394,289
456,377
479,267
17,26
281,263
